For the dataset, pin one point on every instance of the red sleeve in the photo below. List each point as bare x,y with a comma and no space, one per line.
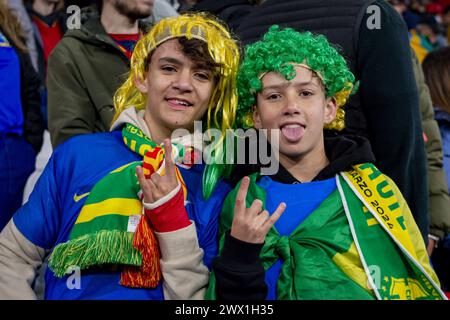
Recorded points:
169,216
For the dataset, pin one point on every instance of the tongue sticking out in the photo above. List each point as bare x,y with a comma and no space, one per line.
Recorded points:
293,133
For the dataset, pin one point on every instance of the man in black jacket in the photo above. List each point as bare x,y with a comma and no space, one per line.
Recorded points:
374,41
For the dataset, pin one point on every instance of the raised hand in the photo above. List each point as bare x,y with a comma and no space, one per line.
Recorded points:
157,186
252,224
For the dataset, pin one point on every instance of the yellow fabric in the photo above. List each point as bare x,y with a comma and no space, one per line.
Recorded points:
350,263
396,216
392,207
414,42
415,236
117,206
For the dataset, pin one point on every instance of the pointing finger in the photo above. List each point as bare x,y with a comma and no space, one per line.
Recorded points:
274,217
170,166
241,195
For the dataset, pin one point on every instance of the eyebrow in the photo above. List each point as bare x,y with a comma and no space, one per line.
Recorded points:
287,83
199,66
170,60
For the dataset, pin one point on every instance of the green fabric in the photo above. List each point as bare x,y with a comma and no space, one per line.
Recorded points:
308,271
394,270
138,142
121,251
100,223
100,234
104,239
311,268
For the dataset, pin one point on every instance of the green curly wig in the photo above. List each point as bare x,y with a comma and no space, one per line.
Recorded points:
278,50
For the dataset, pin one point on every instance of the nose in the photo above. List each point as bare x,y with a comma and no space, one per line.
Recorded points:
292,106
183,82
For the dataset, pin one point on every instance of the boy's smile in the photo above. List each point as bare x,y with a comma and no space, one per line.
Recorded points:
178,90
299,109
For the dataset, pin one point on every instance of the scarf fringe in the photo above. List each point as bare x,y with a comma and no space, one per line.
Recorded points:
149,274
102,247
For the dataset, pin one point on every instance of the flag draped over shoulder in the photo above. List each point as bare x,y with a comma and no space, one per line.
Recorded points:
360,243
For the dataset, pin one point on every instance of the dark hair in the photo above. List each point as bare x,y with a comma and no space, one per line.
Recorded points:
196,50
436,68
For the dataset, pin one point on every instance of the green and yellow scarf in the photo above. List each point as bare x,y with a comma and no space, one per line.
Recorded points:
111,227
360,243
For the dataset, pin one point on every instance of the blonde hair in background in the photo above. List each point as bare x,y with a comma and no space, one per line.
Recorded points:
11,27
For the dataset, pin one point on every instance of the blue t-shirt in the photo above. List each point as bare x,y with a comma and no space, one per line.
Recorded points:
54,205
301,200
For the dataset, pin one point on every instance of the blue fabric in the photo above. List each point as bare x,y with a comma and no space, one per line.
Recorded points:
443,120
74,168
301,200
17,159
11,117
127,44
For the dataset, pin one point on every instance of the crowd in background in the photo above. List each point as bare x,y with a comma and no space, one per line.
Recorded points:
56,83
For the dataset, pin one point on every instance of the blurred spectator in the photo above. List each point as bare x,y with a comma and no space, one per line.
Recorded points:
436,68
21,124
429,28
411,18
417,6
439,200
86,66
422,18
161,9
49,25
434,8
17,7
174,3
419,44
446,22
386,107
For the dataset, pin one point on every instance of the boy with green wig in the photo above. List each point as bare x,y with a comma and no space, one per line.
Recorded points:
340,229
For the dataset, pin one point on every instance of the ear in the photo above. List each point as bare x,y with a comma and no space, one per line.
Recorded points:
141,84
256,118
330,111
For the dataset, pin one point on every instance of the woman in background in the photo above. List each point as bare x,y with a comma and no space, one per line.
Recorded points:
21,123
436,68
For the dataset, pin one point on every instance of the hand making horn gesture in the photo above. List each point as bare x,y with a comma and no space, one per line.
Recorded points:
252,224
157,186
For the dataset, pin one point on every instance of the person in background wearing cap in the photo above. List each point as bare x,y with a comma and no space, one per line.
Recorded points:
340,229
119,218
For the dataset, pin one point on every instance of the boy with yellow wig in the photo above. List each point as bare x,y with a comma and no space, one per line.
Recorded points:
119,218
340,229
